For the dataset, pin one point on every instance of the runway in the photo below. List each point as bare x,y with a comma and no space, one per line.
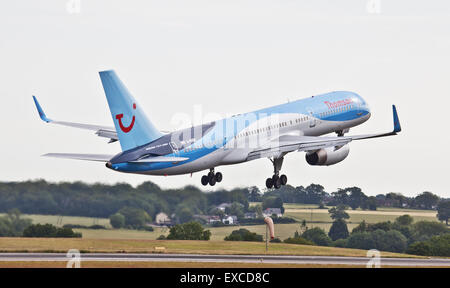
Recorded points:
273,259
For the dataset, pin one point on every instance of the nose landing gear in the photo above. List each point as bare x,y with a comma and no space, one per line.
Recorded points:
277,180
212,178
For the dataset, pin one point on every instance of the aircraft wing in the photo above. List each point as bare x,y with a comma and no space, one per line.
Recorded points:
89,157
102,131
289,143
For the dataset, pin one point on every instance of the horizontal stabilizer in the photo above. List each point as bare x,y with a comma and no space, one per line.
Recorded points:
88,157
160,159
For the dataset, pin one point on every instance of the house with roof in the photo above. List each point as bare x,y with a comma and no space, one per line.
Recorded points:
162,219
230,220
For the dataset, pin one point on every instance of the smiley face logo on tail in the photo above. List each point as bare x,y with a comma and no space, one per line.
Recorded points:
122,127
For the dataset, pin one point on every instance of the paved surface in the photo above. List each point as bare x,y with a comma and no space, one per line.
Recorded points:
224,259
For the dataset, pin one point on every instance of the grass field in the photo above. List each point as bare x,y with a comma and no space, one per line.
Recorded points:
314,217
282,231
61,220
173,246
311,213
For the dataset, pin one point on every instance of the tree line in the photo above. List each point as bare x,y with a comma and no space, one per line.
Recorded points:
353,197
182,204
102,200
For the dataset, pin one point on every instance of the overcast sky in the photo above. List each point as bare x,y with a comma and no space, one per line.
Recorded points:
226,57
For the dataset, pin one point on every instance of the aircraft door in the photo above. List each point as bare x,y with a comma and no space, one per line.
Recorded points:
312,121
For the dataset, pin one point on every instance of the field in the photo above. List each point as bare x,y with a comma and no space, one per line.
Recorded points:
314,217
299,213
174,246
131,241
282,231
61,220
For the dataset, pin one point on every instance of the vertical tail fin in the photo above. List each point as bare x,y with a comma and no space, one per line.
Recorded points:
132,126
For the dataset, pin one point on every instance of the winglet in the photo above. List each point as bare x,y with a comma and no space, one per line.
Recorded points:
397,127
40,111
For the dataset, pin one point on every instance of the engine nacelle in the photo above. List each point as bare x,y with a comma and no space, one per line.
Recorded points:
327,156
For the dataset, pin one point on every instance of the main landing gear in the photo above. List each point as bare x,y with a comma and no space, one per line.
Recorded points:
276,181
212,178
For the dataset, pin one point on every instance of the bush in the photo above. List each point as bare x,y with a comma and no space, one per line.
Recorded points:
243,235
435,246
385,226
188,231
419,248
338,230
361,240
406,230
392,241
161,237
317,236
65,233
48,230
117,220
341,243
424,230
135,218
404,220
364,227
440,245
298,240
275,240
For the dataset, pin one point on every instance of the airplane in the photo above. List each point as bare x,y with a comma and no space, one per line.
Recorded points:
271,133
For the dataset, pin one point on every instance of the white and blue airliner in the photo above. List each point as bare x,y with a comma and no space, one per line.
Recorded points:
269,133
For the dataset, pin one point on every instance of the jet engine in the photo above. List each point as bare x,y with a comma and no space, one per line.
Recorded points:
327,156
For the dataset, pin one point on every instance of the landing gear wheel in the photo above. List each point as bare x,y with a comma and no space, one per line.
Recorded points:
205,180
275,178
212,181
269,183
277,183
218,177
283,179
